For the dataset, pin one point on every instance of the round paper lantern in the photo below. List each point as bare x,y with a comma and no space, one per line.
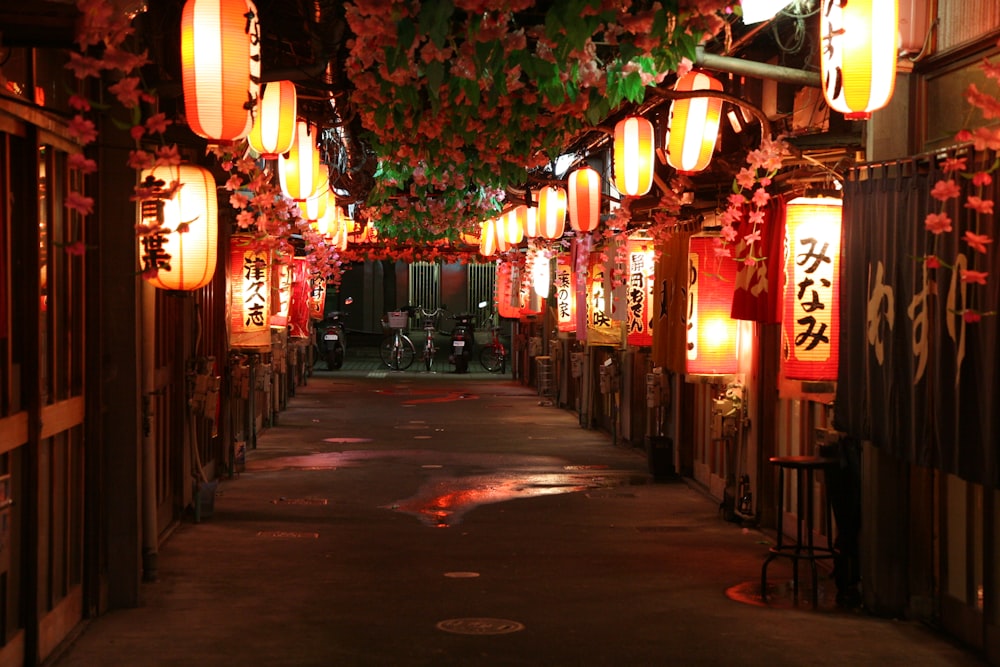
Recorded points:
219,43
584,200
693,126
181,260
810,325
858,55
712,334
488,238
634,156
509,229
298,173
551,212
274,123
531,229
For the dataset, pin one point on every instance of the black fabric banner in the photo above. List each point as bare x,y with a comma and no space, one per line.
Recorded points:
916,376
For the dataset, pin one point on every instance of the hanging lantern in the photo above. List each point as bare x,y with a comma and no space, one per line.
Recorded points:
250,290
693,127
634,156
541,269
220,51
299,173
488,238
507,292
298,312
551,214
639,292
565,293
281,285
314,207
584,200
810,326
173,259
273,128
317,297
858,55
712,335
531,229
509,225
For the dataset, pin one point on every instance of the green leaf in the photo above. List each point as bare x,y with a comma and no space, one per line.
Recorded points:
406,32
435,20
435,76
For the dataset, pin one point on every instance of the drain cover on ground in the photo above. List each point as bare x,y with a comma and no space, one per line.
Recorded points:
461,575
480,626
300,501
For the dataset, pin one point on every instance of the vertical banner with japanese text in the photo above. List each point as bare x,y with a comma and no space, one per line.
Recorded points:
639,293
250,290
565,293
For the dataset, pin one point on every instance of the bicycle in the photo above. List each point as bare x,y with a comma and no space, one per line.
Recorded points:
493,356
397,349
429,328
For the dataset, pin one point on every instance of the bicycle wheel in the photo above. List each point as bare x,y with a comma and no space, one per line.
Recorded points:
387,351
428,357
405,353
492,358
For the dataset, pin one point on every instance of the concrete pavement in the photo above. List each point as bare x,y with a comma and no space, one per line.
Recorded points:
415,519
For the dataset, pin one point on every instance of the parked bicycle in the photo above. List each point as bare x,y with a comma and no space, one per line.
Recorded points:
430,327
493,356
397,349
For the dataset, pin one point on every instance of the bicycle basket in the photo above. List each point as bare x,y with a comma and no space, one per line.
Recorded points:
398,319
429,323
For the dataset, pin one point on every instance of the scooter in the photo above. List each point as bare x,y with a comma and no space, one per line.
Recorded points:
463,340
334,340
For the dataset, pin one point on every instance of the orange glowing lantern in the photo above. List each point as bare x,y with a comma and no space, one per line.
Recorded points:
712,339
282,296
858,55
181,254
274,123
565,284
314,207
693,127
810,325
220,51
634,156
317,297
531,229
551,212
510,229
508,294
299,173
488,238
250,291
584,200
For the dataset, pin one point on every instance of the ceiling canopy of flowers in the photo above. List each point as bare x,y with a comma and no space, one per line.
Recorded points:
430,112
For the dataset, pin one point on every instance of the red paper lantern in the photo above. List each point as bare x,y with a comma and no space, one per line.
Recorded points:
298,314
274,121
634,156
712,338
180,260
810,325
507,294
858,56
584,200
693,127
220,49
551,214
298,173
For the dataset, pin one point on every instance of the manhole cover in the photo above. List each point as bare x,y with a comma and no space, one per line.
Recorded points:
299,501
480,626
461,575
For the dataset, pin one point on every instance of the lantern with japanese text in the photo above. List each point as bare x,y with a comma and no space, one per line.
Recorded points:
584,199
281,297
565,284
541,272
220,61
693,127
634,156
858,55
180,254
639,292
299,173
712,335
810,326
250,293
317,297
273,128
507,292
551,212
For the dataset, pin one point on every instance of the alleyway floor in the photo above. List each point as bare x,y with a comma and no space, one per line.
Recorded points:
414,519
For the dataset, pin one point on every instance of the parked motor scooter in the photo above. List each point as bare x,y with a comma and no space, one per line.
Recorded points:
463,340
334,345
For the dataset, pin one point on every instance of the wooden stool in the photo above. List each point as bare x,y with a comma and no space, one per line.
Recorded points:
803,548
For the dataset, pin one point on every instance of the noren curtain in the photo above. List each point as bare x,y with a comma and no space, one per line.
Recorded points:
916,378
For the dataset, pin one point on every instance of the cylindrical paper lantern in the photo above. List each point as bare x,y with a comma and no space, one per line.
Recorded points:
712,338
811,321
299,173
181,260
634,156
551,212
531,229
274,120
858,54
693,127
316,204
584,200
219,42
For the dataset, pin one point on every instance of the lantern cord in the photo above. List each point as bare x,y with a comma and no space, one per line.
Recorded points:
927,41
